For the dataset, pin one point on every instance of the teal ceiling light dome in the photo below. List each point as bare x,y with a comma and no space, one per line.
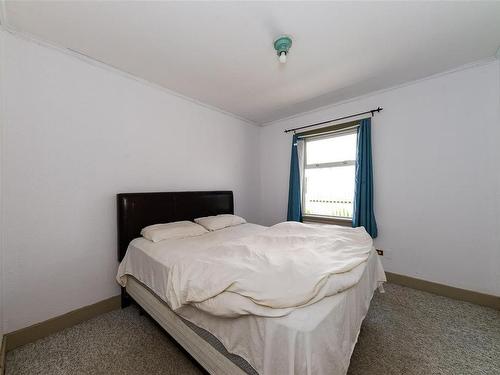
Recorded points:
282,44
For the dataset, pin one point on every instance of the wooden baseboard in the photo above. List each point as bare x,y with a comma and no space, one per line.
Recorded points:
37,331
445,290
48,327
2,354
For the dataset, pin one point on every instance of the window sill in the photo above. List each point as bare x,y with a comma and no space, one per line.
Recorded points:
327,220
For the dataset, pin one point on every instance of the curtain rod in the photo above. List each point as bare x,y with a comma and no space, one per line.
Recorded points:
372,111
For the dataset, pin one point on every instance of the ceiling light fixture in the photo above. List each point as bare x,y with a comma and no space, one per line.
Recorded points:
282,44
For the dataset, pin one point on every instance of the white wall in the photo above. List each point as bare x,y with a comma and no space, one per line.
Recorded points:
437,181
1,184
75,134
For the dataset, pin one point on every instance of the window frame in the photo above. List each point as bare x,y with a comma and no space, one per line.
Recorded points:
337,220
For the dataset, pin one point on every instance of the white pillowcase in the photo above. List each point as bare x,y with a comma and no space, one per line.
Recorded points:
220,221
175,230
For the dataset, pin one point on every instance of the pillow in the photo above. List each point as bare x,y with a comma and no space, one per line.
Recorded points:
220,221
175,230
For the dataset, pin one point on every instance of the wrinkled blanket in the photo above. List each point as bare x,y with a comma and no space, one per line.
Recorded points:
286,266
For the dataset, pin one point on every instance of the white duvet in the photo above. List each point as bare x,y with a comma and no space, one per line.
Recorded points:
286,266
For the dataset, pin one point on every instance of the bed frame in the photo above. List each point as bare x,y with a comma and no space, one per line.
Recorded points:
137,210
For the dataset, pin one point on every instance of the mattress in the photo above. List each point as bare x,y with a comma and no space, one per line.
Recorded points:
204,347
215,343
317,339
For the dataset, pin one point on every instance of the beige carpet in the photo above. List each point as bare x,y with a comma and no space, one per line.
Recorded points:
406,332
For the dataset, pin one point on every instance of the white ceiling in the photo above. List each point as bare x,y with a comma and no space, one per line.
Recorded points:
221,53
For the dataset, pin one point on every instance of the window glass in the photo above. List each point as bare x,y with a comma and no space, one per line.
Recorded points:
329,176
332,149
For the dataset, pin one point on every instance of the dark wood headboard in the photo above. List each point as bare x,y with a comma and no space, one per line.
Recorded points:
138,210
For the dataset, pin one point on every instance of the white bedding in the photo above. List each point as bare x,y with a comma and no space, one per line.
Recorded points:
267,273
283,267
150,262
316,339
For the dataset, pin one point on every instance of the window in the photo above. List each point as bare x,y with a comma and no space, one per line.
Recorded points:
329,172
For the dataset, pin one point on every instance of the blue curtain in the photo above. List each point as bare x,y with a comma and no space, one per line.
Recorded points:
294,195
363,191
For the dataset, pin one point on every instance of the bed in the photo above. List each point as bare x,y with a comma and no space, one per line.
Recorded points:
315,339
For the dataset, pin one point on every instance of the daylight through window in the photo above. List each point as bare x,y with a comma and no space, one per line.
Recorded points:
329,171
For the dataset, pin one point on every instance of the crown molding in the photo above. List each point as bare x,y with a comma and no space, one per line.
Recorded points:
110,68
471,65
